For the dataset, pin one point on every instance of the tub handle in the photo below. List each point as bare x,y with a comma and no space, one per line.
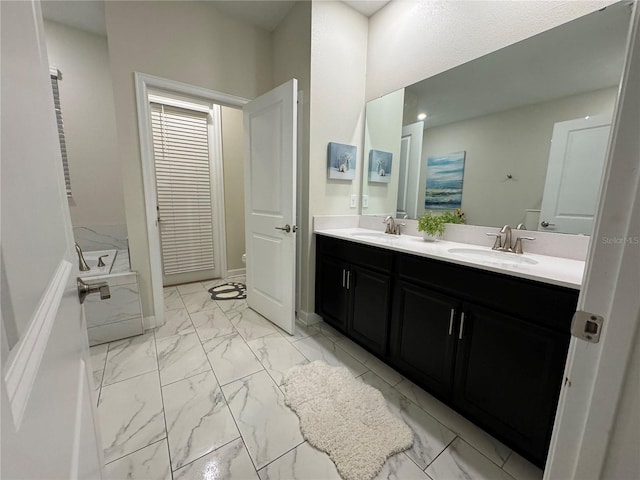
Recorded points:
85,289
100,261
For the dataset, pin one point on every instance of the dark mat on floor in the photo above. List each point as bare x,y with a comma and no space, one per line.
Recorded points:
229,291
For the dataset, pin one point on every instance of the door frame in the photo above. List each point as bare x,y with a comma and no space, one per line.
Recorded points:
595,374
144,82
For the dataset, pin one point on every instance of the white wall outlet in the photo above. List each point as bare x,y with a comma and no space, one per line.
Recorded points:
365,201
353,202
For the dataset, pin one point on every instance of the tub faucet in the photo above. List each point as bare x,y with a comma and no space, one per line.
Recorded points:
82,264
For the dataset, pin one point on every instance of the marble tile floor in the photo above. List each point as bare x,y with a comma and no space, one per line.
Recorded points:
201,398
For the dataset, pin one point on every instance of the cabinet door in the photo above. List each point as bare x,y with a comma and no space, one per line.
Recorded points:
370,303
424,336
507,377
332,301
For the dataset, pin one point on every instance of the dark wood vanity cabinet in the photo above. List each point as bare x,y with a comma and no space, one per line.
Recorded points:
490,345
423,336
332,275
353,290
508,373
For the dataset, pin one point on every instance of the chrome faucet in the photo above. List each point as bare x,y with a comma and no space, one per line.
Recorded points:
518,246
393,228
82,264
506,245
391,225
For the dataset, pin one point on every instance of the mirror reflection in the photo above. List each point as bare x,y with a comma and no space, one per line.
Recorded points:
517,136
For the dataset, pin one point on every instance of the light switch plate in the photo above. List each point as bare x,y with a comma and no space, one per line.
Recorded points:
353,202
365,201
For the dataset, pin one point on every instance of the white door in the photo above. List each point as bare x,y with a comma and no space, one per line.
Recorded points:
409,181
49,426
185,156
576,159
270,125
586,442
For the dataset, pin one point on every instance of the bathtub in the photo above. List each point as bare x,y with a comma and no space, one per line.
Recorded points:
121,315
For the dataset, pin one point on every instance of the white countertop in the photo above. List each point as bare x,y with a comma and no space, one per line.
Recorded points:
547,269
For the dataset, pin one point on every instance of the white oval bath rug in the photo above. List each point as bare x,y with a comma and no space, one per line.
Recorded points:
346,418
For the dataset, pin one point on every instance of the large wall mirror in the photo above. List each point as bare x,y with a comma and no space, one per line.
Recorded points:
517,136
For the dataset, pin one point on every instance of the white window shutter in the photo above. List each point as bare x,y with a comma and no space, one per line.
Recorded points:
182,165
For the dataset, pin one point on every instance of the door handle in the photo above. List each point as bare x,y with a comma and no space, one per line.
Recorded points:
286,228
85,289
546,224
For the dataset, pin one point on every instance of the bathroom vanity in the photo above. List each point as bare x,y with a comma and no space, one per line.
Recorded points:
486,338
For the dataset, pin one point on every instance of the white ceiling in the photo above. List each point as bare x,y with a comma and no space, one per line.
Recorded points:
88,15
266,14
584,55
83,15
367,7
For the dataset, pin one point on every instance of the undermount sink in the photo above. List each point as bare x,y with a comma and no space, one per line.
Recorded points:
493,256
374,235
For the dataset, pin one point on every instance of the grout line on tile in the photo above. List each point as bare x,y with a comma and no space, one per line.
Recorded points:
204,455
246,376
226,401
441,452
164,413
135,376
282,455
104,367
137,450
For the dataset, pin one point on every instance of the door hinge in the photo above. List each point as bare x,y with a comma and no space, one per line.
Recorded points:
587,326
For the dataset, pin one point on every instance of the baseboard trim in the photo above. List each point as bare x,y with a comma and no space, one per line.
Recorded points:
149,322
236,273
308,318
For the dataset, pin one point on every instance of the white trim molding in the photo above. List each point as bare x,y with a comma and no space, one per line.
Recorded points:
308,318
25,358
595,373
238,272
143,83
149,322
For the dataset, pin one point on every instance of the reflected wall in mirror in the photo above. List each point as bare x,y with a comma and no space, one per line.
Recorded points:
533,118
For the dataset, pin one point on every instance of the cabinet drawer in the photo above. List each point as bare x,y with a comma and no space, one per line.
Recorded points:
356,254
551,306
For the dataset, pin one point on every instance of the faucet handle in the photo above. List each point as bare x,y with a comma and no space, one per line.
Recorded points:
518,246
498,243
398,225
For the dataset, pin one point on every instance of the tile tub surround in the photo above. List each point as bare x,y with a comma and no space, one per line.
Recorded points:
230,421
563,272
121,315
101,237
573,247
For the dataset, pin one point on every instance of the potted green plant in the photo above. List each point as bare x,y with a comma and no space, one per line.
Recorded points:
432,225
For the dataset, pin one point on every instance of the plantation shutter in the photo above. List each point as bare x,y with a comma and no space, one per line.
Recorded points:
55,76
181,157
